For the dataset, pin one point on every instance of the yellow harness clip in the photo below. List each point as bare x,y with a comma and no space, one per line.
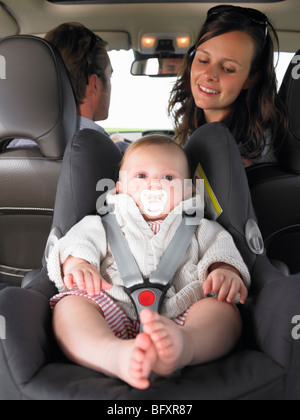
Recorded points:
211,203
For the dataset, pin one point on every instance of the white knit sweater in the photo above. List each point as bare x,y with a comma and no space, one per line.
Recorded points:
87,240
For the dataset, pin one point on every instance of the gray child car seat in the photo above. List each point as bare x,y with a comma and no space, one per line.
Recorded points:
264,365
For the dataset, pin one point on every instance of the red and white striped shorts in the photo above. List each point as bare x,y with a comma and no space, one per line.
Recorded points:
123,327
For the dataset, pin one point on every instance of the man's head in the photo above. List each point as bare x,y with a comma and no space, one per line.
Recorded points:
88,65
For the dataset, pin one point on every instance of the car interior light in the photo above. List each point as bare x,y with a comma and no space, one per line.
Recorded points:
148,42
183,42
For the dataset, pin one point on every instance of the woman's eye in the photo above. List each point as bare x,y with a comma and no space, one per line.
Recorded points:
229,71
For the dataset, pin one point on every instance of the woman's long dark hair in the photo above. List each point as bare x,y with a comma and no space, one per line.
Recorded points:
256,109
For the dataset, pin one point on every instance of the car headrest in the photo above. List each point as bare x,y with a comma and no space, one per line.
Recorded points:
289,93
36,96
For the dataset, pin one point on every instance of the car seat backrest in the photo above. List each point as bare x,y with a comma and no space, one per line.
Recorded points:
289,93
214,147
275,188
90,167
36,97
36,103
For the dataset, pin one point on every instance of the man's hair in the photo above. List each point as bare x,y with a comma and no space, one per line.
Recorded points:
156,140
83,53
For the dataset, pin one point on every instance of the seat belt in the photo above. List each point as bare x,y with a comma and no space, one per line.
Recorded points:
148,293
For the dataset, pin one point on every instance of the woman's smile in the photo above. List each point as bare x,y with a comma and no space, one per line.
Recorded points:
208,91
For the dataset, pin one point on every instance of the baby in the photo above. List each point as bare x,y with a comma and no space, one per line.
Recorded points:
94,320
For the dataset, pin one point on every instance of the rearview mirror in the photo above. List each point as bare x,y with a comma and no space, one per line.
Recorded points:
157,67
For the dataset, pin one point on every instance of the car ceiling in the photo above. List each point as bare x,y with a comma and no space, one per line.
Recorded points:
133,19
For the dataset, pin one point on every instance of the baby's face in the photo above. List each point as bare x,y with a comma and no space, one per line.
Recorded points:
154,177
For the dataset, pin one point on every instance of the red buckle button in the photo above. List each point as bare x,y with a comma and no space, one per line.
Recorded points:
147,298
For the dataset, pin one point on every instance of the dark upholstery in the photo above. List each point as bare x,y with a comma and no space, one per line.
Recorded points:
275,188
36,103
36,98
289,93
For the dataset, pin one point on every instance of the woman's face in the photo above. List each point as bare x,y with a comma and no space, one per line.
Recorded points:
220,71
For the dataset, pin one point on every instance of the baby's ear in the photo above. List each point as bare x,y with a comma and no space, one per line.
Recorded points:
118,187
189,191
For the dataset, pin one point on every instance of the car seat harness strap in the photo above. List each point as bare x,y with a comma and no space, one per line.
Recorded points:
148,293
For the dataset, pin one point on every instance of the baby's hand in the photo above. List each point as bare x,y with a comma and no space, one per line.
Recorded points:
227,283
83,275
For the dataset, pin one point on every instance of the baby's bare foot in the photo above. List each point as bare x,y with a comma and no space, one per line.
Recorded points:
143,358
132,361
172,344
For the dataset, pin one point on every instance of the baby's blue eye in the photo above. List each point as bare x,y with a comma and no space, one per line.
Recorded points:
169,177
141,176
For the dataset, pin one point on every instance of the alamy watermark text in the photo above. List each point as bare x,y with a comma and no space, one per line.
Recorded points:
296,69
2,328
2,67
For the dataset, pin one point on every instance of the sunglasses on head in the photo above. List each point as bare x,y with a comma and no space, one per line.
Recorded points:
254,16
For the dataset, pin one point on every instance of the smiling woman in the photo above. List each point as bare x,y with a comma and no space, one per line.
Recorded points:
220,71
229,77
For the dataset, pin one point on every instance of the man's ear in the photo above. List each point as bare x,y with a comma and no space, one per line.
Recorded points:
93,78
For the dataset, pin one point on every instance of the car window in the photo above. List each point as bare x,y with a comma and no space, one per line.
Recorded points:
282,65
139,103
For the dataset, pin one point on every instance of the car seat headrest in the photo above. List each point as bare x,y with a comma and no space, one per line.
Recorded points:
289,93
36,97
